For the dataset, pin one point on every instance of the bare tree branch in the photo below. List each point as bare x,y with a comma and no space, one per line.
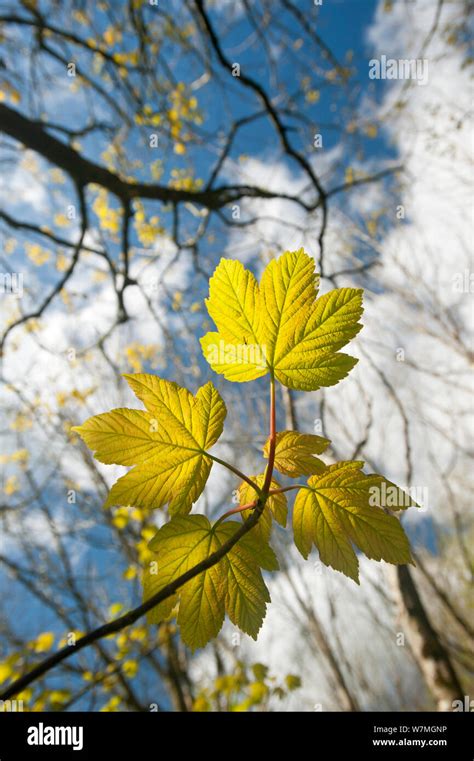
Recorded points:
112,627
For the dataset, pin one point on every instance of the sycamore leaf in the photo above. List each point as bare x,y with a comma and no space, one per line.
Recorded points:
234,305
233,301
288,290
339,509
280,326
236,361
212,412
179,545
234,585
294,453
314,359
276,506
247,596
166,443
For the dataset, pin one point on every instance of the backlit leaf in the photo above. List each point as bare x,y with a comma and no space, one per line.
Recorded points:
234,585
337,511
288,290
294,453
280,326
166,443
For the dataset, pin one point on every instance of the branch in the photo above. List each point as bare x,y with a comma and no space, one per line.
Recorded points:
112,627
281,129
365,180
170,589
41,24
84,172
62,282
237,472
18,224
311,32
272,440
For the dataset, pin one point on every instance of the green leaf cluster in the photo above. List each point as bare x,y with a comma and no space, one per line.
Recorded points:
279,327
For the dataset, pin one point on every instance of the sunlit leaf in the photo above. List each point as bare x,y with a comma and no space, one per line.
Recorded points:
234,585
166,443
338,510
294,453
280,326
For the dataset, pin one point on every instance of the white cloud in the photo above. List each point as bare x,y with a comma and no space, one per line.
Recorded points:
24,187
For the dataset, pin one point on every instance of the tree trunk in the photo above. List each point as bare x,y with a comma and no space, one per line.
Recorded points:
431,656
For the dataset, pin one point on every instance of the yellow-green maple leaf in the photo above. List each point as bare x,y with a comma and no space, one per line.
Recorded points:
313,359
166,443
288,290
280,326
247,596
234,585
233,301
236,361
294,453
339,509
234,305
